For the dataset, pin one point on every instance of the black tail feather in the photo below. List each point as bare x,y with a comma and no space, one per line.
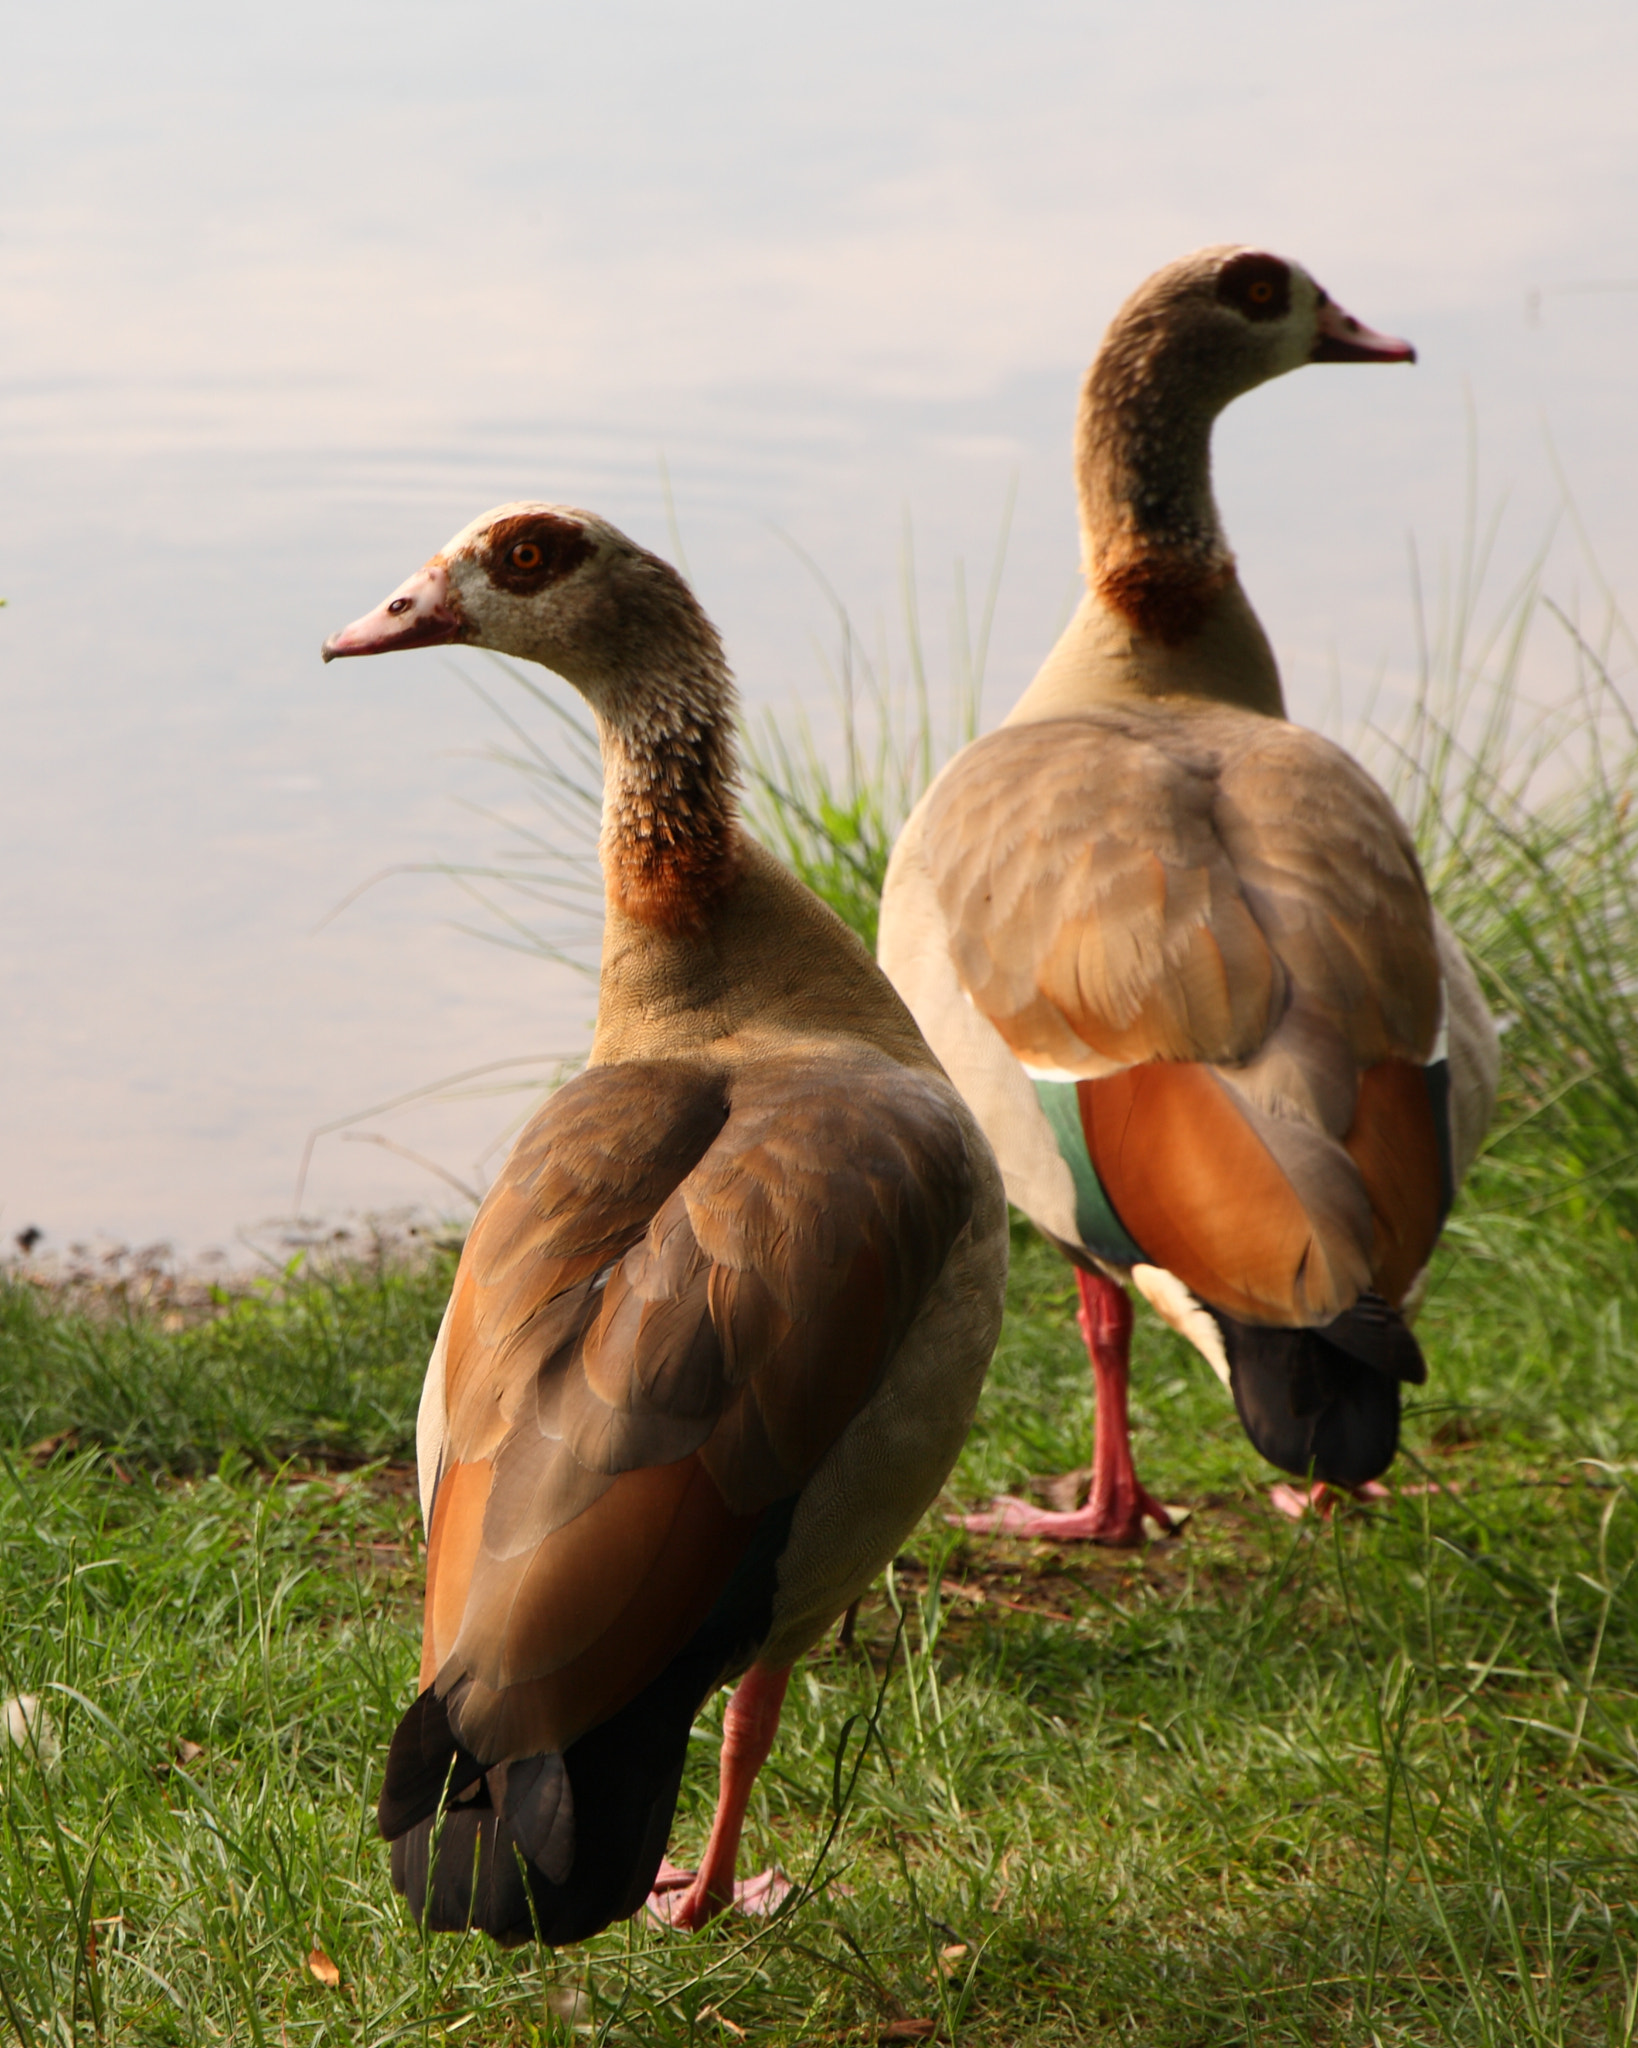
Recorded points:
563,1846
1378,1336
465,1871
425,1763
1324,1401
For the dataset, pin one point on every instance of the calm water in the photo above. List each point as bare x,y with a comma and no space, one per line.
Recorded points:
287,299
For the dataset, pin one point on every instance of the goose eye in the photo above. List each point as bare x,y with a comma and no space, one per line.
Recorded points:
399,604
530,551
1256,285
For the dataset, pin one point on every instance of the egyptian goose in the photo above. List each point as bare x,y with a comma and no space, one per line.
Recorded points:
1178,954
719,1327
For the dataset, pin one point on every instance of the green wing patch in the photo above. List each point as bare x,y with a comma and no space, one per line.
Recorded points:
1101,1230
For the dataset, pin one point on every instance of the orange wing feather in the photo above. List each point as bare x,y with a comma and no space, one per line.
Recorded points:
1269,1219
1396,1149
1243,1211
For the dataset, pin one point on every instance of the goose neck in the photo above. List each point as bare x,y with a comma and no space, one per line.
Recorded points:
1153,548
670,831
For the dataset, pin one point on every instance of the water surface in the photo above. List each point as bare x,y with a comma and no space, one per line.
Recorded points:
289,296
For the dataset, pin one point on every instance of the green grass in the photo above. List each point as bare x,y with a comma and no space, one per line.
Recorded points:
1367,1782
1372,1781
329,1364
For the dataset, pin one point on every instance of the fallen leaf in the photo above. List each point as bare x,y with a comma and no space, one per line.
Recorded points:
187,1751
962,1591
323,1969
908,2030
710,2012
950,1958
46,1449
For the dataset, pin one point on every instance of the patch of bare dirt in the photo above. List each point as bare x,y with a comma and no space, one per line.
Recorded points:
110,1279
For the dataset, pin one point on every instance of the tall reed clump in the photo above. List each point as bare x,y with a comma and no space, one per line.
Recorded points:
835,826
1525,817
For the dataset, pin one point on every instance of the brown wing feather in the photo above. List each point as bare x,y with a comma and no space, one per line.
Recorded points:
682,1288
1330,874
1129,885
594,1613
1094,914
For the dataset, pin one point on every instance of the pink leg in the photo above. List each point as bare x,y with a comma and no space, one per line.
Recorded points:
1297,1501
748,1730
1115,1509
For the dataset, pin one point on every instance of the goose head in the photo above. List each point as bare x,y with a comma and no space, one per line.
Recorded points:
1217,323
559,586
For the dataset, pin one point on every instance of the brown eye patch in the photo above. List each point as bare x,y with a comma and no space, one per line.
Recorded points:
525,554
1257,286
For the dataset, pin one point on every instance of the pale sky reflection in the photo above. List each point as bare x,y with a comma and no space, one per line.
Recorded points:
290,295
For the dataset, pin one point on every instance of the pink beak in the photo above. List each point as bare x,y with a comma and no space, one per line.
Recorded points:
1343,339
421,612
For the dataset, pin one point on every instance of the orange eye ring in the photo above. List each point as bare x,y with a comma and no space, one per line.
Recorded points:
526,555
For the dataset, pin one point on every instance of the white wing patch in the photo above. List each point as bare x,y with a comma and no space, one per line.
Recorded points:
431,1423
1174,1304
1441,1037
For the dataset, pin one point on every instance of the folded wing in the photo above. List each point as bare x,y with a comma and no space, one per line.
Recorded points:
1216,928
684,1286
